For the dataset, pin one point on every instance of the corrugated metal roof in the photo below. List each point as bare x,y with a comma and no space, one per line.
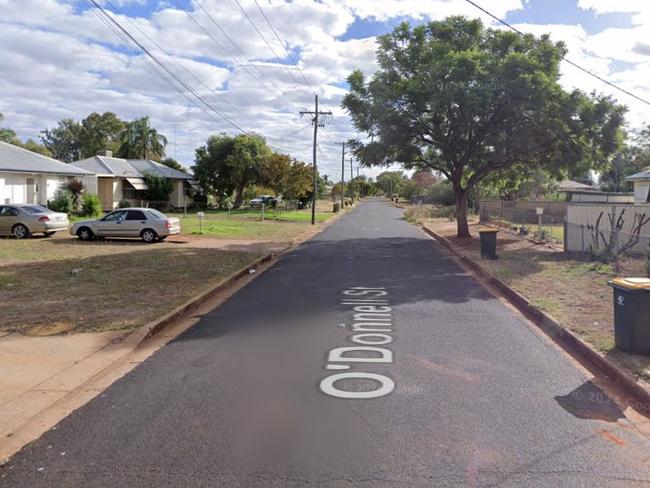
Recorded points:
643,175
129,168
17,159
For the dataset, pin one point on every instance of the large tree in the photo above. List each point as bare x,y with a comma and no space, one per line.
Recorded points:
63,140
467,101
391,181
631,159
100,132
141,141
227,165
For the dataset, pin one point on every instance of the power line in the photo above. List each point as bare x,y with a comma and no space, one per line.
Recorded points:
575,65
98,8
169,55
239,49
157,66
259,32
275,33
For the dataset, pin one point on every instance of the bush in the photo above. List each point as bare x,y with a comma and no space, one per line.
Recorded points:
124,204
158,188
76,189
62,203
91,206
414,214
441,193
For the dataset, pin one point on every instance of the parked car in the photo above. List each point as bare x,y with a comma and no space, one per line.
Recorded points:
146,223
267,200
22,221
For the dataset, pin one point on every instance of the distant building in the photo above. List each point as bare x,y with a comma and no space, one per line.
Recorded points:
641,186
570,186
29,177
123,179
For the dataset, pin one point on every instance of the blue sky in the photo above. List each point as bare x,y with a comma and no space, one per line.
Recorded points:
62,62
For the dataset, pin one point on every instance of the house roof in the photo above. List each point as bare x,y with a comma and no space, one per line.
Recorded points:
643,175
129,168
570,185
19,160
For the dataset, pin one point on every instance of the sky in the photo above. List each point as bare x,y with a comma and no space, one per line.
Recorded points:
60,61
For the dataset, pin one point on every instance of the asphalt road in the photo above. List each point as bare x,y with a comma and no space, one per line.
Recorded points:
463,394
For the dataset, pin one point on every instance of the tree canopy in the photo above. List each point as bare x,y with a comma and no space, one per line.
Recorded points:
226,166
139,140
467,101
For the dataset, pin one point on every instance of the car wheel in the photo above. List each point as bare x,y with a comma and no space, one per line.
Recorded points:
148,235
85,234
48,234
20,231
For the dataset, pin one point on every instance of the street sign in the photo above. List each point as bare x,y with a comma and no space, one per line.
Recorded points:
540,210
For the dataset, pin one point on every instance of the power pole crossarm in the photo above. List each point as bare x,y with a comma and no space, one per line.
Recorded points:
316,114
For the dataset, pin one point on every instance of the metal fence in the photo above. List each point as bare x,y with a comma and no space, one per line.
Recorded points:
542,228
605,244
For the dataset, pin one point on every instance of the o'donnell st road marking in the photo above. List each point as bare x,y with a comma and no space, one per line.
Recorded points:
372,324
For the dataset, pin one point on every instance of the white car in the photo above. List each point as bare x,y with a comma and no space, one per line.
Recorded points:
22,220
146,223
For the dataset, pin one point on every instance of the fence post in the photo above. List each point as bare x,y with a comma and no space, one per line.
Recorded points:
566,235
262,211
582,232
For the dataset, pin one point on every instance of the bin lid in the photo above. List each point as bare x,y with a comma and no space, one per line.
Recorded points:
487,229
632,283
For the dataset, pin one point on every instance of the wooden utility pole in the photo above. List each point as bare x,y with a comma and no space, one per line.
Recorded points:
315,120
351,177
342,173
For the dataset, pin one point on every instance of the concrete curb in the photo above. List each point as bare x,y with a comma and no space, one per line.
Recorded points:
637,389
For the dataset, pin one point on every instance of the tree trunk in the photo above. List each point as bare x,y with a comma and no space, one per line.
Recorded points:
239,199
461,213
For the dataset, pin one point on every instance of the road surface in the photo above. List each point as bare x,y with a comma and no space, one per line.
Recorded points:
364,358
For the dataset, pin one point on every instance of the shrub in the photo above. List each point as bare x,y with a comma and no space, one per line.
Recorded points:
158,188
91,206
124,204
413,214
441,193
76,189
62,202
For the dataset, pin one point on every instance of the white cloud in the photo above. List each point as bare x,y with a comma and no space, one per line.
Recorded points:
61,63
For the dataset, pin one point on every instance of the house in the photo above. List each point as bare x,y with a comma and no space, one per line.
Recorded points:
641,186
28,177
123,179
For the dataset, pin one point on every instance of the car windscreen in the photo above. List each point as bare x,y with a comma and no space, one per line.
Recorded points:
156,213
35,209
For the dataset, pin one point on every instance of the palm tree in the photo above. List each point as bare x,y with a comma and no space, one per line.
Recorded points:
141,141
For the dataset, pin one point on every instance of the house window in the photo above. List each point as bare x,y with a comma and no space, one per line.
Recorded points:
130,193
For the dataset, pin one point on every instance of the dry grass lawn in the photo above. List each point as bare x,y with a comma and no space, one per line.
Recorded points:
63,285
572,289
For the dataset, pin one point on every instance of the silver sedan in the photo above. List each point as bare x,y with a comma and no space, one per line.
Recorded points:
146,223
21,221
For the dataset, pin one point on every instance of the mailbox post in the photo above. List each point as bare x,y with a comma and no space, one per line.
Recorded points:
200,215
540,213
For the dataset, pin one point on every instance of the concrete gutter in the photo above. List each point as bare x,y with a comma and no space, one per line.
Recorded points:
635,388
